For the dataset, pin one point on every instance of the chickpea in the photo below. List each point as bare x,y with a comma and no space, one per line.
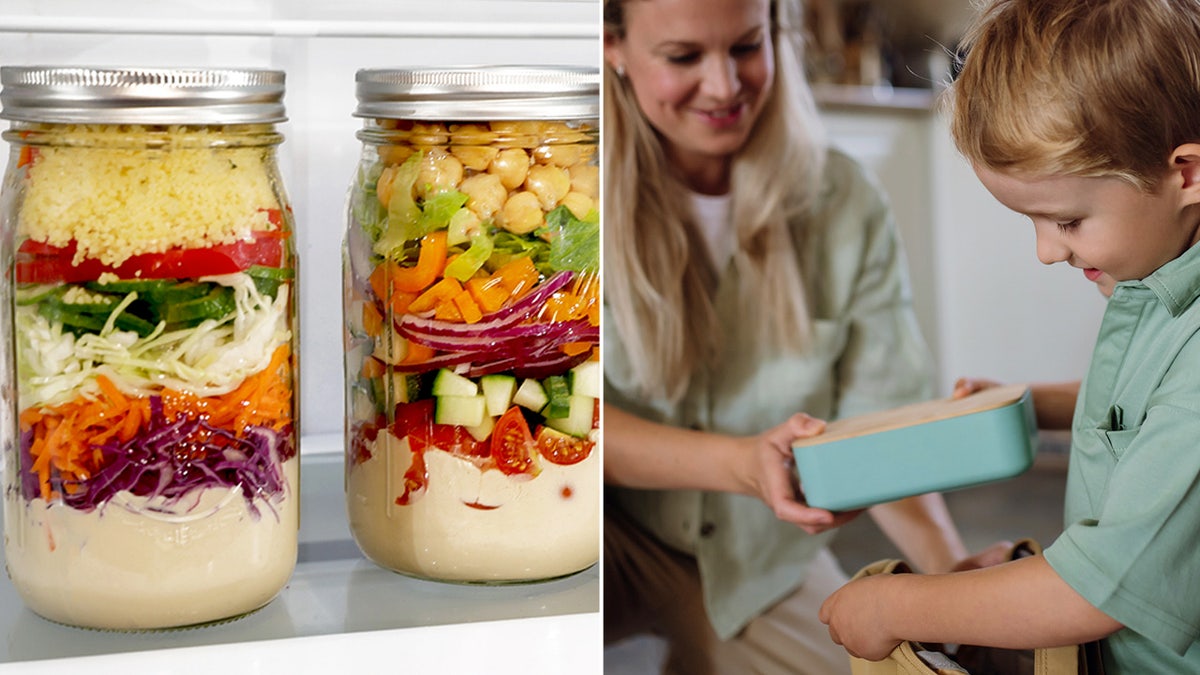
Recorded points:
440,171
578,204
471,134
394,154
549,183
475,157
511,165
485,194
522,213
585,178
559,155
428,133
520,134
383,186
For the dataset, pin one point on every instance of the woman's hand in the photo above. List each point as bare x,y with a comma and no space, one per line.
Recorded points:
999,552
771,476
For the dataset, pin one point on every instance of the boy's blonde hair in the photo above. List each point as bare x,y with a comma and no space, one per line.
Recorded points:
658,280
1079,87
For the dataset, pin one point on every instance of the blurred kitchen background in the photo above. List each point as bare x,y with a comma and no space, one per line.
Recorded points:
985,304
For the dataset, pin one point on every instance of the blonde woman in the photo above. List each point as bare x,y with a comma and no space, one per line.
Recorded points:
754,286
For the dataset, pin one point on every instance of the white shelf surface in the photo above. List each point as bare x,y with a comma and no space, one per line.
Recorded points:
338,610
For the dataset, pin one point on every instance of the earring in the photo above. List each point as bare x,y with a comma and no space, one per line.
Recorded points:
621,71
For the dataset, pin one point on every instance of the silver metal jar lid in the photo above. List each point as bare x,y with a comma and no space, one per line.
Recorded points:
82,95
469,93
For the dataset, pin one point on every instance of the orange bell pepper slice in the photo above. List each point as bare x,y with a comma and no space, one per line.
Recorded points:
431,261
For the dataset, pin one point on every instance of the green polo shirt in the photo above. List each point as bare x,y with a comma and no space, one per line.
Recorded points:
1131,543
866,355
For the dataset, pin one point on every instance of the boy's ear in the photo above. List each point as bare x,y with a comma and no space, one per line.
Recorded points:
1185,162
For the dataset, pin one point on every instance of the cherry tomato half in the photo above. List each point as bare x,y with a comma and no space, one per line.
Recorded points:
512,444
562,448
415,420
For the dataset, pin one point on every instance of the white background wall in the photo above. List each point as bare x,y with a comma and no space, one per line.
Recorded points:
320,45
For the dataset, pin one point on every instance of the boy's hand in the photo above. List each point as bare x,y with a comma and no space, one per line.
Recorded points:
855,616
965,386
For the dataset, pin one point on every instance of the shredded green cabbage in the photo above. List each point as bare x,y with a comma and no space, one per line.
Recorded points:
208,360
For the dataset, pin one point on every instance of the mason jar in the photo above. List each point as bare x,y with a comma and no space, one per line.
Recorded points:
150,416
471,314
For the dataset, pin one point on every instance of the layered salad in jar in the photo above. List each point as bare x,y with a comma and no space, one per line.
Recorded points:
472,323
155,479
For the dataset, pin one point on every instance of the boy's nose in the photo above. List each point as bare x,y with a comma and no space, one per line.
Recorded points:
1050,248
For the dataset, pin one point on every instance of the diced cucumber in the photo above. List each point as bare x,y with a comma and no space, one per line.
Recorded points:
481,431
498,390
405,387
390,347
559,393
463,411
531,395
449,383
578,421
362,403
586,379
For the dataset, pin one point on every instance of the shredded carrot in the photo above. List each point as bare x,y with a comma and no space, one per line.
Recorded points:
66,438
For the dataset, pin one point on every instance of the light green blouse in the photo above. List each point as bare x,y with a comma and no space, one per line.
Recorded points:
1131,544
866,355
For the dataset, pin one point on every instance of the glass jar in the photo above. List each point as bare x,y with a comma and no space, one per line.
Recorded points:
150,371
471,315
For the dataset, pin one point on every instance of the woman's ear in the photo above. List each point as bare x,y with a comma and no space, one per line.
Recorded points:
1185,163
613,55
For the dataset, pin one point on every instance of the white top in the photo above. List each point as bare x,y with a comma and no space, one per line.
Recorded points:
714,218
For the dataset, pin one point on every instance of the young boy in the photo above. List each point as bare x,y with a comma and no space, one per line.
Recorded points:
1085,116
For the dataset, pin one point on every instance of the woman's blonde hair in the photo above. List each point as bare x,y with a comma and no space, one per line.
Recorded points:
659,282
1064,87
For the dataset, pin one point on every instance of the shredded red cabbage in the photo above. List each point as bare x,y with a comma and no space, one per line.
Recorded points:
168,460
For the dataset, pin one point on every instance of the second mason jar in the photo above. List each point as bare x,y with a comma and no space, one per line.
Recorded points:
149,364
472,321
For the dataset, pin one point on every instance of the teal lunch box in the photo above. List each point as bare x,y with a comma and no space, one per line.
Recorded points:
935,446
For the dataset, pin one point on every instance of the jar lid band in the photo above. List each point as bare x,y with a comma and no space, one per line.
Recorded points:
479,93
85,95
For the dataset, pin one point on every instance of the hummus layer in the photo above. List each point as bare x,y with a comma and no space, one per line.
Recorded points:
129,566
475,525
